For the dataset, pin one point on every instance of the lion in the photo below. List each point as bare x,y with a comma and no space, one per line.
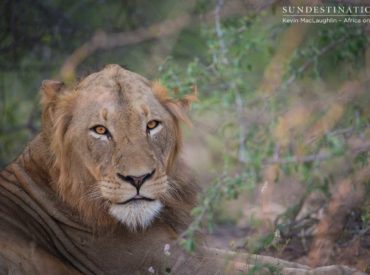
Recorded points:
103,189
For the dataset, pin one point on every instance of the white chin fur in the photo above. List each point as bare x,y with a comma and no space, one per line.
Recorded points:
136,215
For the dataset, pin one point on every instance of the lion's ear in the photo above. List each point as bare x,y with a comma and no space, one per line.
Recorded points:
50,89
178,107
49,93
188,99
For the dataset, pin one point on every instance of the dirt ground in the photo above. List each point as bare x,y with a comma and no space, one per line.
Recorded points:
351,249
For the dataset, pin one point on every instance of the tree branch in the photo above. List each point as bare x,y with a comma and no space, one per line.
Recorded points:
309,62
104,41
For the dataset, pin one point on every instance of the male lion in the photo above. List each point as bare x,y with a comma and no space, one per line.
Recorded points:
102,189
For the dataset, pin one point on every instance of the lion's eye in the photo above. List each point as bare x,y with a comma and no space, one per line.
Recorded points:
152,124
100,130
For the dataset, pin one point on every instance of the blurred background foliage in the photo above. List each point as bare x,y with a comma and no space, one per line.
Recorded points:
281,134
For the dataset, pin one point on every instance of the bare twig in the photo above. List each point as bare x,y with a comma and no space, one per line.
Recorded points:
299,159
242,128
310,158
310,61
219,32
344,131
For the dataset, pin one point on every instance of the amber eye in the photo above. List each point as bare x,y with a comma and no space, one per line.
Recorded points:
152,124
101,130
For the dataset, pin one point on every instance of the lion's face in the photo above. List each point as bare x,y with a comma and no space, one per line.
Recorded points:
126,139
120,141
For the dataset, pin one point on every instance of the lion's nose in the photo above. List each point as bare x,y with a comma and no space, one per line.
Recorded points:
136,181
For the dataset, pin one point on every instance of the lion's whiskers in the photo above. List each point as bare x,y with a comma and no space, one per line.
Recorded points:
92,194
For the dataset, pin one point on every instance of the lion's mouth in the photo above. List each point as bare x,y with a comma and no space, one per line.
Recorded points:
136,198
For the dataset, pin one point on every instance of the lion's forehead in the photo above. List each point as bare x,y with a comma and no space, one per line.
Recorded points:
113,77
100,97
115,83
